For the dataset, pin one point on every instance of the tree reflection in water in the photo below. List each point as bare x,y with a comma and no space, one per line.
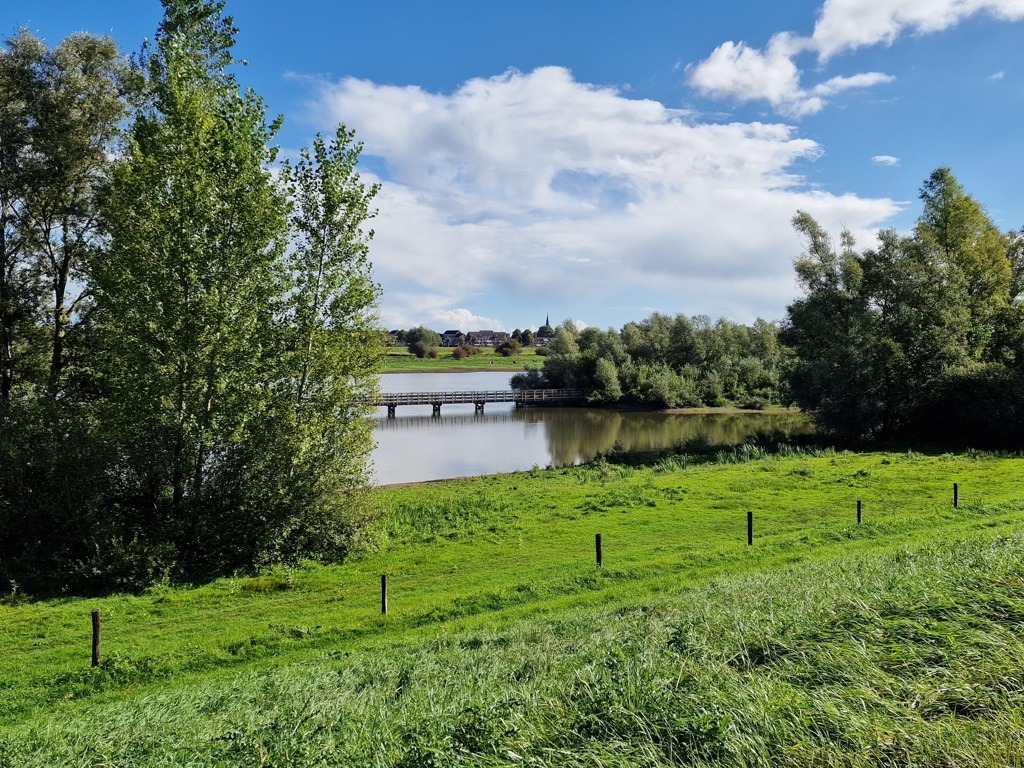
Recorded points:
415,447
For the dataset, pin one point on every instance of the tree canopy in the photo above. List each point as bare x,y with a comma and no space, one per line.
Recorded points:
195,406
889,340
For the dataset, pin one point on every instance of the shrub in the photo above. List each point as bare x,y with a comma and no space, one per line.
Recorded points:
509,347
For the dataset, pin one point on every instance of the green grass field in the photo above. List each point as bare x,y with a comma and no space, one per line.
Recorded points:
399,360
893,642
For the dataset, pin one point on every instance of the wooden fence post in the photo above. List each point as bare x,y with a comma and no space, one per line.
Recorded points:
750,529
597,548
858,511
956,495
96,637
384,594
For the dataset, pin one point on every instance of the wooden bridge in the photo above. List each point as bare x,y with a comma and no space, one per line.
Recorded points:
521,397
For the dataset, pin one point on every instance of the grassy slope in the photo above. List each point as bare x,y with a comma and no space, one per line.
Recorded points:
398,360
817,645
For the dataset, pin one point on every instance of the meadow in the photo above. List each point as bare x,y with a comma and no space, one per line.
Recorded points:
400,360
827,642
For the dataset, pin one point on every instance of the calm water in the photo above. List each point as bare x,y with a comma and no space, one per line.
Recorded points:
417,446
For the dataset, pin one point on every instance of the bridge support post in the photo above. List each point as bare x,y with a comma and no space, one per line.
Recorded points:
478,407
437,409
391,411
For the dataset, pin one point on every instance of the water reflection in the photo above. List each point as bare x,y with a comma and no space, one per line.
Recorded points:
417,446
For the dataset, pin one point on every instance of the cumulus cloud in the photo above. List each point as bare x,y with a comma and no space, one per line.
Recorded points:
885,160
742,73
845,25
737,71
534,184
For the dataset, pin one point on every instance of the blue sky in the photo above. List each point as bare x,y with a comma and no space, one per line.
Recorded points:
600,160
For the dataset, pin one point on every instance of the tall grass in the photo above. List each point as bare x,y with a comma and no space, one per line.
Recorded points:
894,642
907,658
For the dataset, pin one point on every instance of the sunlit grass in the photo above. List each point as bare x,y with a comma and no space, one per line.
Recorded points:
825,642
400,360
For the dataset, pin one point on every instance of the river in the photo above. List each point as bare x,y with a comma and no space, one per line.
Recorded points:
416,446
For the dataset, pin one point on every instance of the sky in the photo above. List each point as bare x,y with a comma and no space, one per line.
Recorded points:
601,160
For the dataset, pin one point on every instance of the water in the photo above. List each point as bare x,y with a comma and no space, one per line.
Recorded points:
418,446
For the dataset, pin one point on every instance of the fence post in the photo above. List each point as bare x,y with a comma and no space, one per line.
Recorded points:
597,548
750,529
956,495
858,511
384,594
96,637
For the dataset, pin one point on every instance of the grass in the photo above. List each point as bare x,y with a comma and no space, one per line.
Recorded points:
399,360
896,642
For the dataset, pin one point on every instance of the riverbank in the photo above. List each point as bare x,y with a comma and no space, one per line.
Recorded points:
503,638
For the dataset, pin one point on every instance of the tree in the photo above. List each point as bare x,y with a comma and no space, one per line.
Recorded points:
421,340
333,346
883,336
189,292
60,113
829,329
956,227
59,123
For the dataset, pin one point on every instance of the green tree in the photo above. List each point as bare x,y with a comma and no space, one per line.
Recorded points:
883,336
190,293
956,227
420,340
60,113
829,327
332,342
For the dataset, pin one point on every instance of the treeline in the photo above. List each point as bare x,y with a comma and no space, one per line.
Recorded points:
667,362
186,325
920,338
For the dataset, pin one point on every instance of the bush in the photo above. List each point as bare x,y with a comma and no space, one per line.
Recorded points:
509,347
543,351
465,350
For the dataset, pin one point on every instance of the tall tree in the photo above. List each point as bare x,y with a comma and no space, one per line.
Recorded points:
60,114
334,343
956,226
191,288
885,336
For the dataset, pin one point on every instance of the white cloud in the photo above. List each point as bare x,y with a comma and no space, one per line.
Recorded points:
739,72
462,319
885,160
997,76
533,184
844,25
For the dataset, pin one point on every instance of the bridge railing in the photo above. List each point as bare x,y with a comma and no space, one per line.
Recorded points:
484,396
